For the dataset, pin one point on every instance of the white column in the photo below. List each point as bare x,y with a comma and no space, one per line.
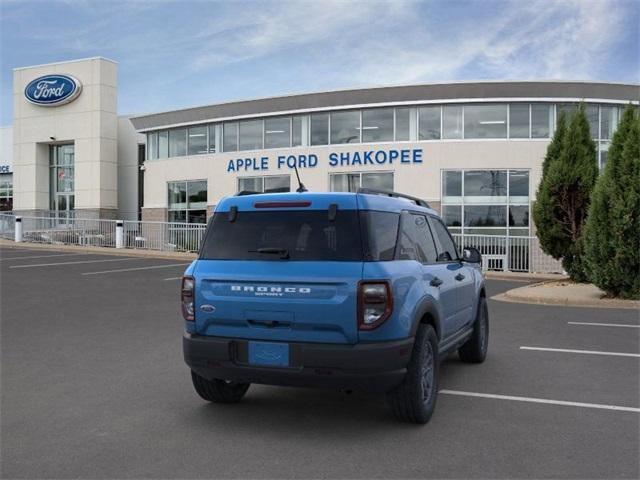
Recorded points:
18,230
119,234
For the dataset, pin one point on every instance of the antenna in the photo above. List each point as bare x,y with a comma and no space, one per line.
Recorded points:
301,188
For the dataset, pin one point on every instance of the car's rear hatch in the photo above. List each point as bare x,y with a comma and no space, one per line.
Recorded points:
281,267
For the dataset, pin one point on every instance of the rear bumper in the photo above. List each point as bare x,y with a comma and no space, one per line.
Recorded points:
372,367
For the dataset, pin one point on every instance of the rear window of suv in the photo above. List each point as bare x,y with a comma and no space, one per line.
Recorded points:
307,235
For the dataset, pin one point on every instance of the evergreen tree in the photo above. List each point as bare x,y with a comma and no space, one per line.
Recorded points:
564,194
612,233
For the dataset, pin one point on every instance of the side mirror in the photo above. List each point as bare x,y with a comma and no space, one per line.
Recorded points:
471,255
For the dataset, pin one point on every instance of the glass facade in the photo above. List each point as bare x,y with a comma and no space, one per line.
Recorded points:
488,202
61,179
383,124
187,201
350,182
269,184
6,192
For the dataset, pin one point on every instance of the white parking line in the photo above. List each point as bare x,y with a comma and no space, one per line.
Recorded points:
41,256
588,352
622,325
173,278
541,400
75,263
135,269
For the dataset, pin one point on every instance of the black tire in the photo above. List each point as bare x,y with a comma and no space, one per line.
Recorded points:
474,350
218,391
414,400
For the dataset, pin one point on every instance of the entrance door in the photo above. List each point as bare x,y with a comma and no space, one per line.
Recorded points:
62,181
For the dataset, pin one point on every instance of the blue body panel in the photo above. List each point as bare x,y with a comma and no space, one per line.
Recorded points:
316,301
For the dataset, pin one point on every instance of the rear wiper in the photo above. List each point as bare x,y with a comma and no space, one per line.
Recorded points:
283,252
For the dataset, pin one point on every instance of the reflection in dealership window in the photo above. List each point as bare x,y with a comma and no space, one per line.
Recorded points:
270,184
163,144
230,137
251,135
377,125
485,207
485,121
608,121
519,120
277,132
296,131
403,124
485,185
320,129
541,120
592,117
345,127
212,138
152,146
429,123
6,192
197,140
178,142
350,182
452,121
187,201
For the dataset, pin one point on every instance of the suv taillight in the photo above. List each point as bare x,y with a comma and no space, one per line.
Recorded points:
375,304
187,295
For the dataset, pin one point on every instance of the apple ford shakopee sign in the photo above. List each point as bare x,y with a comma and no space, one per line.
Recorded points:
53,90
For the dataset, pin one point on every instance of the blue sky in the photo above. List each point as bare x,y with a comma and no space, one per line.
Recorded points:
178,54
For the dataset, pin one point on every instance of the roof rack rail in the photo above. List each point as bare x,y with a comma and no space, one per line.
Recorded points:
246,192
389,193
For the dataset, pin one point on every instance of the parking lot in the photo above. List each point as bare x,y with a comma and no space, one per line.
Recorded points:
94,386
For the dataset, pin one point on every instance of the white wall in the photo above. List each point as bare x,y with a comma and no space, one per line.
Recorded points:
89,122
128,170
421,180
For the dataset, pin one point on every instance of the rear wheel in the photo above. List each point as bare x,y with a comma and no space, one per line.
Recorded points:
475,349
218,391
414,400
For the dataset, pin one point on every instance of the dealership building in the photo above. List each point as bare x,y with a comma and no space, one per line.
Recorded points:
473,150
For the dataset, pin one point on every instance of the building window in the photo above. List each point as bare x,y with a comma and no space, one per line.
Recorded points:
487,202
178,142
270,184
403,124
452,121
592,113
350,182
608,122
429,123
377,125
6,192
345,127
541,120
188,201
62,176
519,120
277,132
320,129
230,137
485,121
212,138
152,146
197,140
296,131
251,135
163,144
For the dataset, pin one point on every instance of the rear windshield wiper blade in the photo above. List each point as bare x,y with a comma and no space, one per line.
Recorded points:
283,252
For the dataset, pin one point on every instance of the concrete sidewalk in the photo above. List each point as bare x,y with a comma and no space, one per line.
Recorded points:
565,292
128,252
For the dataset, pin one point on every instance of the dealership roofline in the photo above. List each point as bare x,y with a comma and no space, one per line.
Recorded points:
546,90
66,61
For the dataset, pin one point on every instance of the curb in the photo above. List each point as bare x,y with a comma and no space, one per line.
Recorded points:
124,252
515,296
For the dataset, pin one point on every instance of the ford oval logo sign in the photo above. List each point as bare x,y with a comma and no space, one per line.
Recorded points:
53,90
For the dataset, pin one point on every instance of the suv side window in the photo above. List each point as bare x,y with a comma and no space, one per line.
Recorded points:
415,241
447,250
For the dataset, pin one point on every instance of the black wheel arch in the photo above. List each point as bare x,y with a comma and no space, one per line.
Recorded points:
427,313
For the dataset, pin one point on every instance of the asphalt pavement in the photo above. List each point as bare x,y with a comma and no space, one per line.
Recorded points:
93,385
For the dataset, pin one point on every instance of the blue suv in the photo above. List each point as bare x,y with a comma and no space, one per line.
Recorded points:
353,291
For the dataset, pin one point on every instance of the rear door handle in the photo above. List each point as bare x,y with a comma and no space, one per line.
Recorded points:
459,277
436,282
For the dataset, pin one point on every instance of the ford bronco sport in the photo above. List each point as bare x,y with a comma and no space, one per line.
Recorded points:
354,291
